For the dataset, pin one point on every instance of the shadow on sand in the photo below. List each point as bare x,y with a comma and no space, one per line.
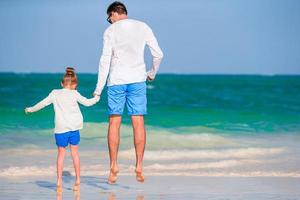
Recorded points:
99,183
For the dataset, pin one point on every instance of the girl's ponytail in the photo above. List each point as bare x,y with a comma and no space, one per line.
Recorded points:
70,71
70,77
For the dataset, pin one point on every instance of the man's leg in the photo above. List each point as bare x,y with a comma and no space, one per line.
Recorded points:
139,143
137,108
113,138
116,101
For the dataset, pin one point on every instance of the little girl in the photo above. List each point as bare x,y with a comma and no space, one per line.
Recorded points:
68,121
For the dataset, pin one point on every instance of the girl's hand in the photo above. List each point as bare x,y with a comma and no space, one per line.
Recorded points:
97,97
27,110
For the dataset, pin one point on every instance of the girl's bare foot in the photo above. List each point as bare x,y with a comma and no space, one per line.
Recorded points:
59,186
113,176
76,186
139,176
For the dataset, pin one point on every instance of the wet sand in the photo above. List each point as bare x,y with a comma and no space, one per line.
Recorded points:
155,187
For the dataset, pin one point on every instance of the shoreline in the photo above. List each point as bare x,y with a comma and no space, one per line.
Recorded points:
155,187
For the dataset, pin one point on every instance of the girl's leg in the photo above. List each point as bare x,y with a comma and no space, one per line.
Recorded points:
76,162
60,164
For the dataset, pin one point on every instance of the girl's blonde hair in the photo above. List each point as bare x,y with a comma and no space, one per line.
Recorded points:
70,77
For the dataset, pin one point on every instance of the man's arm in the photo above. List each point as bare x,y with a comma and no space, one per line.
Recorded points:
45,102
156,52
104,63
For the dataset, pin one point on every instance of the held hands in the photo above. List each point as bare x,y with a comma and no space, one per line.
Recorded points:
149,78
96,96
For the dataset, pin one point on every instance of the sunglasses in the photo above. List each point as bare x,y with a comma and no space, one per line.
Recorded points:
108,18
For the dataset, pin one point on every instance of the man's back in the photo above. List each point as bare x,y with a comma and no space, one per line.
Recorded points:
123,53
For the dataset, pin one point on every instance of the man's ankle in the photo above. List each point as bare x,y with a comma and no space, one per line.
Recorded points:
114,166
138,169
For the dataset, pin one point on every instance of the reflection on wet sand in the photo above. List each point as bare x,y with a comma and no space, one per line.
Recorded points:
76,195
58,196
112,196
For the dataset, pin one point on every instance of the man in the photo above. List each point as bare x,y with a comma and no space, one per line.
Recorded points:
122,61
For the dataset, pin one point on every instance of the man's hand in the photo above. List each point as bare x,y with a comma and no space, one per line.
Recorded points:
149,78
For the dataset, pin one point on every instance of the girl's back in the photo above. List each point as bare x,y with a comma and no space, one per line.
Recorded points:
65,102
67,111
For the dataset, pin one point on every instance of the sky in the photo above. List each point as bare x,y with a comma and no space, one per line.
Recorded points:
196,36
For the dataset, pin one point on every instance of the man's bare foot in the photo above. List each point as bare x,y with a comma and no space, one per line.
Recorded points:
139,176
113,176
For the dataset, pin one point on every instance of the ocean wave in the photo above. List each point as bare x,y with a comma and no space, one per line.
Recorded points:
203,165
151,170
162,155
150,87
27,171
158,138
231,174
166,155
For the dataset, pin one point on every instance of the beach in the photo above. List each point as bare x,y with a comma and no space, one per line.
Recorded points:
225,141
238,169
217,83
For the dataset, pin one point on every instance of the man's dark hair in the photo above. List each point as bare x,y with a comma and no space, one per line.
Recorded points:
118,7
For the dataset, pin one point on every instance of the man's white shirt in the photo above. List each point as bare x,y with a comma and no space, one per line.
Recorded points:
122,60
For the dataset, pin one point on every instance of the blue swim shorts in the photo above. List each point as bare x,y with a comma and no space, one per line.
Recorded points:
70,137
133,95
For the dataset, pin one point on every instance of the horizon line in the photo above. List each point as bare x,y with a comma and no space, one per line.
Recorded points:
168,73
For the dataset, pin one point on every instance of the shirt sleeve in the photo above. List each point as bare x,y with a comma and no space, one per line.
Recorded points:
45,102
104,63
155,50
86,102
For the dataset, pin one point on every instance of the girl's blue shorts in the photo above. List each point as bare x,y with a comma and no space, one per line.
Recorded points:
70,137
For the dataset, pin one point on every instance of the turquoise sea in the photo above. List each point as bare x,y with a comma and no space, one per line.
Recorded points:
210,125
234,104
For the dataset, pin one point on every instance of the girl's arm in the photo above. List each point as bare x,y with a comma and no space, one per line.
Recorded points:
45,102
87,102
